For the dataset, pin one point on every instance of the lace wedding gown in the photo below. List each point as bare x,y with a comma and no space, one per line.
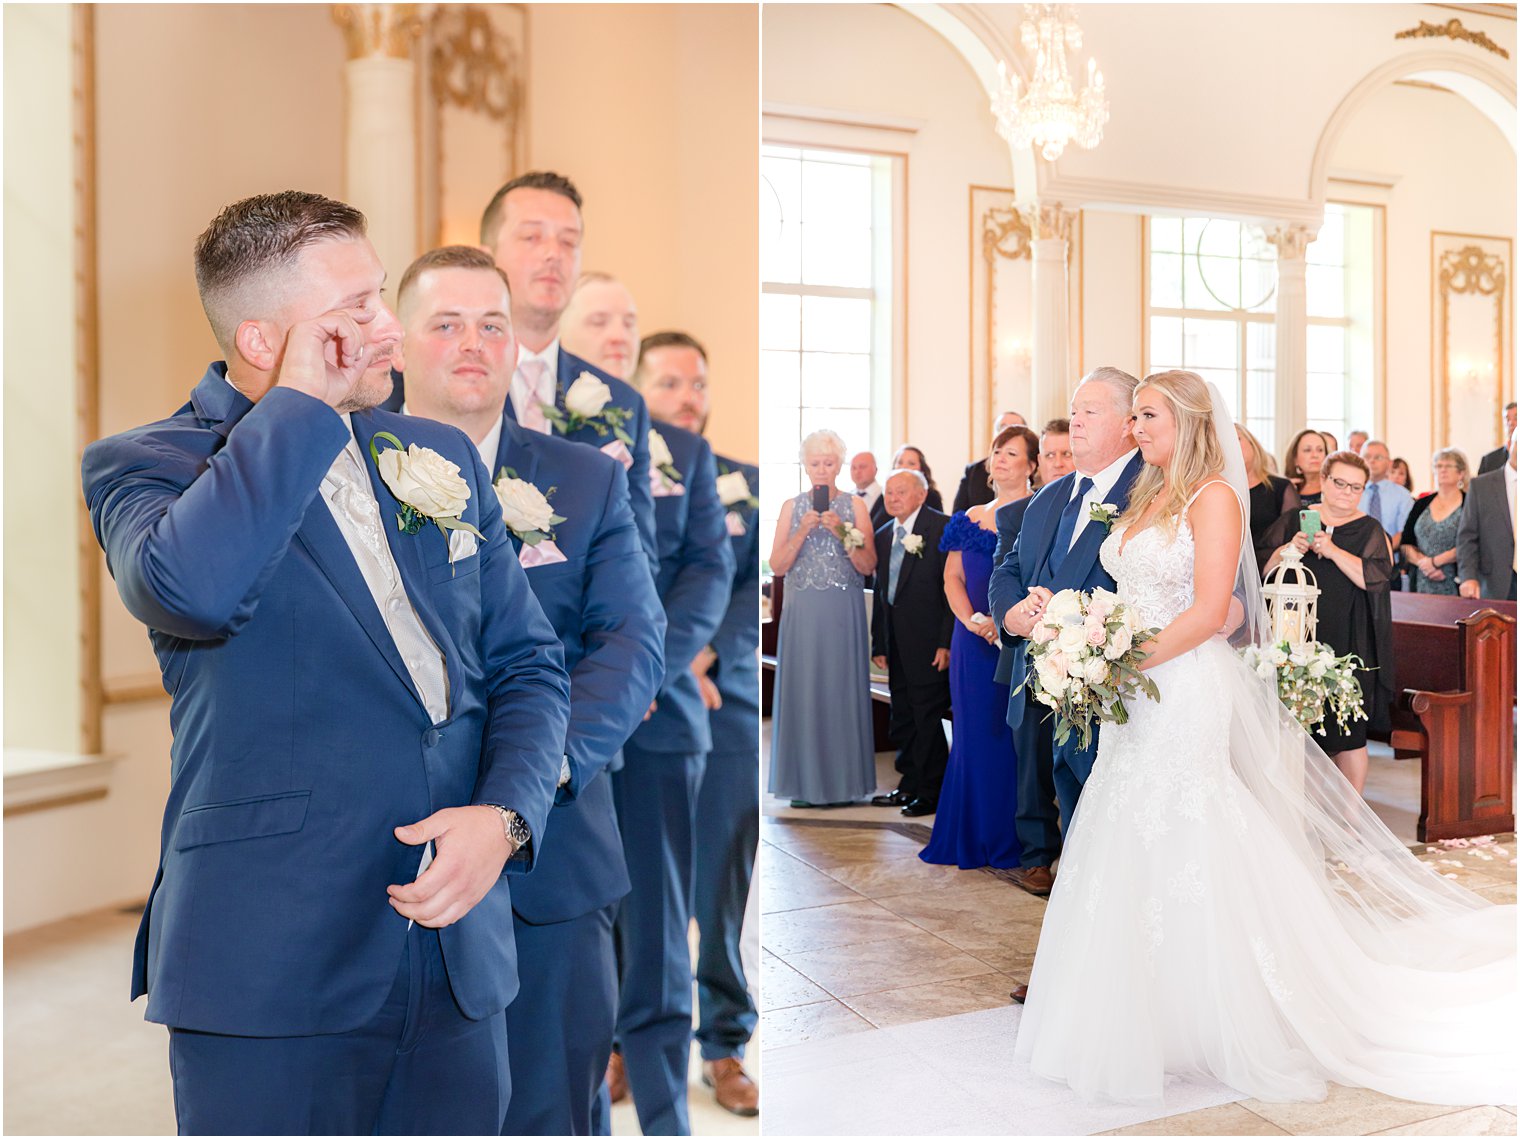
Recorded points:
1207,921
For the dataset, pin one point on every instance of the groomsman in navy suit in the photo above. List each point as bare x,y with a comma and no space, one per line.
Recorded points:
533,228
656,791
369,708
673,378
1055,547
589,574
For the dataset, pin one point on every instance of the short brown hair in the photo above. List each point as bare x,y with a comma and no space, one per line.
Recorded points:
669,339
1057,427
255,236
1290,460
1350,459
490,219
448,257
1019,431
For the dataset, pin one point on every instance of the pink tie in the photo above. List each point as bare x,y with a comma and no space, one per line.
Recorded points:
534,372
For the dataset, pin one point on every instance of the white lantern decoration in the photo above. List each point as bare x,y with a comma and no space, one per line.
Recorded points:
1293,600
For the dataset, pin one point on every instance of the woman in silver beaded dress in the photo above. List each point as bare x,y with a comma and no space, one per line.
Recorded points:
821,746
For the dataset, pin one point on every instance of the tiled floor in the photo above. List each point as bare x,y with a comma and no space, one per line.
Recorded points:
862,942
80,1060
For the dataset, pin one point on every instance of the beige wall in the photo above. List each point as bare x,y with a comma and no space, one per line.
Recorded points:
199,105
651,110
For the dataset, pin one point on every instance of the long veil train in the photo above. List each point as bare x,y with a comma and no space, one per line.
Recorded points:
1336,954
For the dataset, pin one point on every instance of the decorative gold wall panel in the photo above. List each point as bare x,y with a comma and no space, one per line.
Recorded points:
1471,338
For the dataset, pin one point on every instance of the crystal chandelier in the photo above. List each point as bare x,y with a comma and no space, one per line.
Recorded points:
1050,114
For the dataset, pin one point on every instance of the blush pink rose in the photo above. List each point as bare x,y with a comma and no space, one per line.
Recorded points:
1095,634
1042,634
1057,661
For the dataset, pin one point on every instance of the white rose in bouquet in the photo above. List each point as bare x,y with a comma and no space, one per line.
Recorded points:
1067,603
1095,670
1072,638
1052,680
1119,643
523,506
424,480
1102,605
587,396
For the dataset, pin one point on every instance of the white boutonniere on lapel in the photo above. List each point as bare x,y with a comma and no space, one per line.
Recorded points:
1103,513
914,544
586,405
429,488
525,509
734,493
664,479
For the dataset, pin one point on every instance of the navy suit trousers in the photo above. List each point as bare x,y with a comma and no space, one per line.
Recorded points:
561,1023
656,797
419,1067
1051,779
728,831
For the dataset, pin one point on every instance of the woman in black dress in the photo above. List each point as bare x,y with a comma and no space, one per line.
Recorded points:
1270,494
1353,565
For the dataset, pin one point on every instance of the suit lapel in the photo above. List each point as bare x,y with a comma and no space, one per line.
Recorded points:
1079,562
407,550
1049,520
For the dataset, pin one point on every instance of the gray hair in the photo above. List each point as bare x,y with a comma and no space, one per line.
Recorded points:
1120,382
1377,443
919,475
1454,455
823,442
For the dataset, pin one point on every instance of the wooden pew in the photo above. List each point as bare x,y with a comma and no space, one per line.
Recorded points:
1455,661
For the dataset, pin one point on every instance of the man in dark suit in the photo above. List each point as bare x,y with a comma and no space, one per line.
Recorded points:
369,708
910,638
1496,458
976,486
673,378
533,228
1055,548
589,574
1486,538
656,791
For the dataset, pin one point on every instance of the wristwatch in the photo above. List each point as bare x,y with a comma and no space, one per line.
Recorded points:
516,829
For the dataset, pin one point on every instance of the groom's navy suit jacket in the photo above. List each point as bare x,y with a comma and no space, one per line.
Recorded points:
601,601
624,395
300,741
1026,564
696,575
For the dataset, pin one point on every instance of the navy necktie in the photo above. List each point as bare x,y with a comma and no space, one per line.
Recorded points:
1068,524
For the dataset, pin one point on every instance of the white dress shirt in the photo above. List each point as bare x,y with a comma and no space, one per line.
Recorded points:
521,393
906,523
1103,484
350,497
869,494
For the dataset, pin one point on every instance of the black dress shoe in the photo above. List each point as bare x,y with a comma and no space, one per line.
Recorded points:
894,799
920,806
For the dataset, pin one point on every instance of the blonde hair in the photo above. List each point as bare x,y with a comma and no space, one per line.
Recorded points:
1196,454
1257,470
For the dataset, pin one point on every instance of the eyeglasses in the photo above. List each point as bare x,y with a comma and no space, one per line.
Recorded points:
1349,487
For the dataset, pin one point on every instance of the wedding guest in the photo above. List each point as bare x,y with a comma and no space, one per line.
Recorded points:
333,675
1357,440
1384,499
1399,472
656,789
601,324
1270,494
588,573
1486,538
979,800
863,475
1303,464
908,458
1331,445
976,486
821,741
1495,459
1055,452
1430,532
673,377
1351,563
910,638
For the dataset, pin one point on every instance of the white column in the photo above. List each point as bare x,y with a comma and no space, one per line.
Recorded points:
380,146
1291,397
1050,378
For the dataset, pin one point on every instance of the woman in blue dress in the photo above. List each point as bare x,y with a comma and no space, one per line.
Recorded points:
974,823
821,744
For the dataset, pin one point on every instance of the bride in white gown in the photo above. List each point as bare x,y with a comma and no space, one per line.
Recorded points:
1227,906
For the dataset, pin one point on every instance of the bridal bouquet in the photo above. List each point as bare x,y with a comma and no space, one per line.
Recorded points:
1311,677
1084,661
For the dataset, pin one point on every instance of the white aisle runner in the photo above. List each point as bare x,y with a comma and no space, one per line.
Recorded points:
952,1076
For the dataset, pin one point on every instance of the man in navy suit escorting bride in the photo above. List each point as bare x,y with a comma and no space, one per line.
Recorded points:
1056,548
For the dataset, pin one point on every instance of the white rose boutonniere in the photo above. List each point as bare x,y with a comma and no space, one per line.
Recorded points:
660,458
1103,513
428,486
733,489
587,405
525,509
914,544
849,536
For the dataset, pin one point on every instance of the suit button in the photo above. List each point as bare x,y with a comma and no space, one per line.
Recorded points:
432,737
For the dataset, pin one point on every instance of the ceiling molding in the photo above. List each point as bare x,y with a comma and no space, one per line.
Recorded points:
1140,197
